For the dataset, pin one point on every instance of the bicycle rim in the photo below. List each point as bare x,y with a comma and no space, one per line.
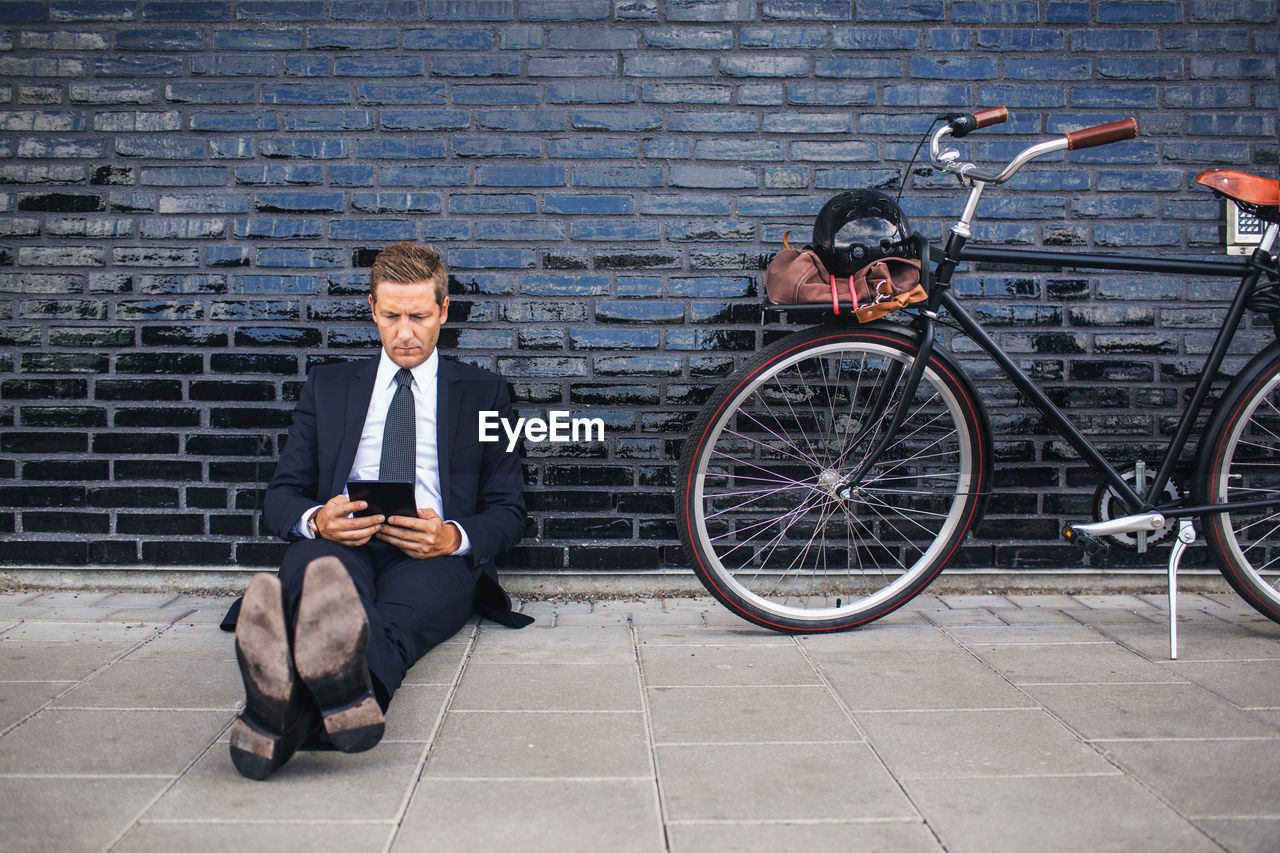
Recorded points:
774,530
1248,468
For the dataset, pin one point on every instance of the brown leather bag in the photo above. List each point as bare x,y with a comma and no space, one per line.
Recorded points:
798,277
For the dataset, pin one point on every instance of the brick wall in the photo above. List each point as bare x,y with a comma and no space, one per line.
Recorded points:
191,191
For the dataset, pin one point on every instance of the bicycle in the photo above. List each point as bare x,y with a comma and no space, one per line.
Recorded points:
830,478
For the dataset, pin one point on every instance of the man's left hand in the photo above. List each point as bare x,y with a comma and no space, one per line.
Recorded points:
428,535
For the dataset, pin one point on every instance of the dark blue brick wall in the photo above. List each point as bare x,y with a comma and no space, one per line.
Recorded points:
190,192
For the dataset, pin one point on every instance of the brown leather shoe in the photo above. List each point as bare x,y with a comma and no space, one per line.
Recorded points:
330,640
267,733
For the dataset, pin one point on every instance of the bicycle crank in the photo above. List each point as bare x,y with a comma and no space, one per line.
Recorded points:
1107,506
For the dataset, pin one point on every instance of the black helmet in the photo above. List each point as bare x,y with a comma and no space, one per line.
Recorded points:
855,229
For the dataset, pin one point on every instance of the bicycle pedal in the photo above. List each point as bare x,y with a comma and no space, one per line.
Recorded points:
1090,543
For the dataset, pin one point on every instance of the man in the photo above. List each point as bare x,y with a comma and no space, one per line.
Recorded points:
361,597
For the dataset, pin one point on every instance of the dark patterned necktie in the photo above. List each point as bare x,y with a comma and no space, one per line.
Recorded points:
399,443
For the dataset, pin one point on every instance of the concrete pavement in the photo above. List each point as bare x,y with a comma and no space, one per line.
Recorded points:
965,723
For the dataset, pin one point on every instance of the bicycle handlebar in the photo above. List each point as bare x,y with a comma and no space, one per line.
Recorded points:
1102,134
959,126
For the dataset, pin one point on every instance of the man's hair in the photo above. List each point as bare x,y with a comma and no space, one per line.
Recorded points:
409,263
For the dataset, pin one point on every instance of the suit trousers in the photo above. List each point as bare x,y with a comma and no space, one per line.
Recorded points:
412,605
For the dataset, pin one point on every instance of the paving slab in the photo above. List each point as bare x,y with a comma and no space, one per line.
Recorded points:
1209,778
39,660
40,630
916,637
18,699
110,742
891,836
777,781
1210,638
722,666
71,814
187,642
966,616
208,837
160,684
1053,814
1032,616
748,714
442,664
1147,711
1024,634
313,786
713,635
415,712
553,645
969,743
1247,683
533,816
1243,834
893,681
583,686
547,744
1065,663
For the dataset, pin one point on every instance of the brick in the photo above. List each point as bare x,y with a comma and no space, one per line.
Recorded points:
857,67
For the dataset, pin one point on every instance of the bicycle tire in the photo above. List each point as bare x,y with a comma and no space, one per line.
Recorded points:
1242,462
768,532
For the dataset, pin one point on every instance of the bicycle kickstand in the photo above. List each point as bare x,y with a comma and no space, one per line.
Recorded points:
1186,535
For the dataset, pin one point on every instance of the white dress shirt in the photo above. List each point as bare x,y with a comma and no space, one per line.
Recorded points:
368,460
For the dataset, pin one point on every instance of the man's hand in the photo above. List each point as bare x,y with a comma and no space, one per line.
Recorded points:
333,523
425,536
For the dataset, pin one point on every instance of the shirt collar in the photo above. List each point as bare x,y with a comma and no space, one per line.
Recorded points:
424,375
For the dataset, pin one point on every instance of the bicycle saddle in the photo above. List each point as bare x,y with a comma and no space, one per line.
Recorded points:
1260,194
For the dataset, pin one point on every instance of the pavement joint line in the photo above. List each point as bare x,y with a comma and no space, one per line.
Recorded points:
443,779
787,821
740,743
947,710
86,775
218,821
1182,683
420,766
651,743
1207,739
546,711
146,708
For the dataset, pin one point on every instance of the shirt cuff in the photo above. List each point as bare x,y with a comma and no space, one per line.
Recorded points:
302,528
465,547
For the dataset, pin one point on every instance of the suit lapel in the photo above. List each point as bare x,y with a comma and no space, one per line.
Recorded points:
355,408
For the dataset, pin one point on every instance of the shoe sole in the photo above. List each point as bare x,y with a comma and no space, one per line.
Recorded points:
330,643
262,650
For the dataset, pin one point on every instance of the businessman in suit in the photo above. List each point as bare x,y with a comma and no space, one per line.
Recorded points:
361,597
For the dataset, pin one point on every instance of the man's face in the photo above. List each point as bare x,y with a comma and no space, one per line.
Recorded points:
408,320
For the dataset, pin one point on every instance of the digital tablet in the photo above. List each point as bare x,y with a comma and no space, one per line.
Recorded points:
384,497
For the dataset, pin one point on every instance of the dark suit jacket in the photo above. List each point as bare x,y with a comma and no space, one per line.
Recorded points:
481,483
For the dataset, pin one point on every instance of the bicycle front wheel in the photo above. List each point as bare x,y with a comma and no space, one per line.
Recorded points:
1244,465
775,528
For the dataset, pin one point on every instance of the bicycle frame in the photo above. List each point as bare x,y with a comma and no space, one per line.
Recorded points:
1249,273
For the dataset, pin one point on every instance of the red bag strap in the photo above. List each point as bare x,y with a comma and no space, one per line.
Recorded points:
835,296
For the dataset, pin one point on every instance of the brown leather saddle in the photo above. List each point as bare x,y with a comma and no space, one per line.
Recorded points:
1259,196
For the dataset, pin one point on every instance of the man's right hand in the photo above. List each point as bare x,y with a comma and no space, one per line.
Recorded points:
333,522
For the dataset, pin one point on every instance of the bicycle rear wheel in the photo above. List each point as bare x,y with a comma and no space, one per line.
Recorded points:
772,531
1243,464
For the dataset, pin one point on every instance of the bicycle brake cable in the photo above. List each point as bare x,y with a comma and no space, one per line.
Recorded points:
907,174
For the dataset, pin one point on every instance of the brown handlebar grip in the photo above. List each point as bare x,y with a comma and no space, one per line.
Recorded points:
1102,134
986,118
